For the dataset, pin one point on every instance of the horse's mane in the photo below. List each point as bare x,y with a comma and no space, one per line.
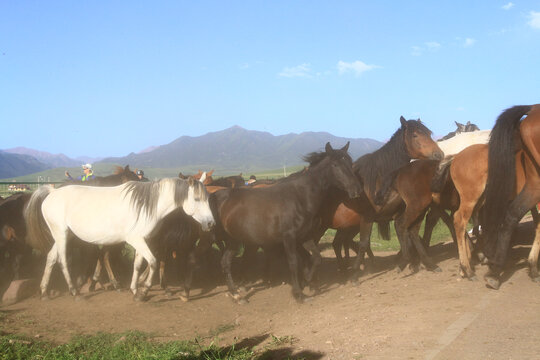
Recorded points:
388,158
145,195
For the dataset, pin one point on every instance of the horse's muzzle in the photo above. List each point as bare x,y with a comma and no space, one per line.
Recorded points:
208,225
438,155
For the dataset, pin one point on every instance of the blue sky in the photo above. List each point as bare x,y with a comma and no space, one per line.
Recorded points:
104,78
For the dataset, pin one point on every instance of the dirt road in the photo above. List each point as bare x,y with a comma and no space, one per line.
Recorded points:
387,316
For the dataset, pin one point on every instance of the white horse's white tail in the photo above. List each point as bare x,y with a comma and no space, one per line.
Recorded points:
38,235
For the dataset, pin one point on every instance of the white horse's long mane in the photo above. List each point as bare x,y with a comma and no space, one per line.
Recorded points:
144,196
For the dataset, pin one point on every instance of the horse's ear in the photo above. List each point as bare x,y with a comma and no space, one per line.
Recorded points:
191,181
346,147
126,169
403,122
210,173
200,172
328,147
468,123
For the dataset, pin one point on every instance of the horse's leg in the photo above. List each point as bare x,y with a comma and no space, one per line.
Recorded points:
95,277
533,255
142,248
315,257
498,250
61,242
432,218
424,257
291,253
401,232
137,265
52,256
337,244
363,246
226,264
461,219
106,251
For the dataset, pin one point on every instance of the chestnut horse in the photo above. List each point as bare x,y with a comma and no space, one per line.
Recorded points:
283,213
468,171
513,168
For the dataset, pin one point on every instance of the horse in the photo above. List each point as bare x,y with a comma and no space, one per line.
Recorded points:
207,180
411,141
469,170
468,127
120,176
283,213
459,142
229,181
102,256
513,186
12,234
127,212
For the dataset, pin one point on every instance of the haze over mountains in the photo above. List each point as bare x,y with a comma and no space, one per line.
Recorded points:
235,149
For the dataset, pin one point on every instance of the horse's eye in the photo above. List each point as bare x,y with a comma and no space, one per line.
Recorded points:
415,135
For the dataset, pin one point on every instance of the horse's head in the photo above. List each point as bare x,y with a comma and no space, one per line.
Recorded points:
471,127
196,204
418,141
204,177
125,174
339,165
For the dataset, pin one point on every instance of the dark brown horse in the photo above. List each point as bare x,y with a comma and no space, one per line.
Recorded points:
513,168
411,141
229,181
12,235
283,213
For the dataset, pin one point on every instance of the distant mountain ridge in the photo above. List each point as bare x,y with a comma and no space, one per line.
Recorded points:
239,149
19,164
227,151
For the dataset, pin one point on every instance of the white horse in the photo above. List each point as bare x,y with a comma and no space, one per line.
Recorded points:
108,216
462,140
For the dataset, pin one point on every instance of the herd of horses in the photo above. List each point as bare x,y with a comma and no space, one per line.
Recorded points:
489,177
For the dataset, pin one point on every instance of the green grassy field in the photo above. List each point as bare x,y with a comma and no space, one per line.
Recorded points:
131,345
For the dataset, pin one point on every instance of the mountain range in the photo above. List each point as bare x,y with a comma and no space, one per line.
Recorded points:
230,150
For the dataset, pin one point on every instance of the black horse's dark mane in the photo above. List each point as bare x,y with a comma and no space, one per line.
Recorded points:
391,156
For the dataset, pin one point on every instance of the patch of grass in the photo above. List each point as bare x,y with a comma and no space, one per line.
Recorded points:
130,345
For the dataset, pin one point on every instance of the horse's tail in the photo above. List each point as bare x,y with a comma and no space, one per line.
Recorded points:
501,168
384,229
38,235
441,175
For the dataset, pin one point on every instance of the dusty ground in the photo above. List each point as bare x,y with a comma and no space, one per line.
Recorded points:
387,316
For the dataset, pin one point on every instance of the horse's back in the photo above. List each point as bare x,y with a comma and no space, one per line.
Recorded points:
461,141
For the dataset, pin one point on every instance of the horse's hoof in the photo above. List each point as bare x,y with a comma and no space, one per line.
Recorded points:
473,278
79,298
414,268
436,269
184,298
168,293
45,298
139,297
492,282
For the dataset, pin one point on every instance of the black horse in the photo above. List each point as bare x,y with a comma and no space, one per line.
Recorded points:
283,213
